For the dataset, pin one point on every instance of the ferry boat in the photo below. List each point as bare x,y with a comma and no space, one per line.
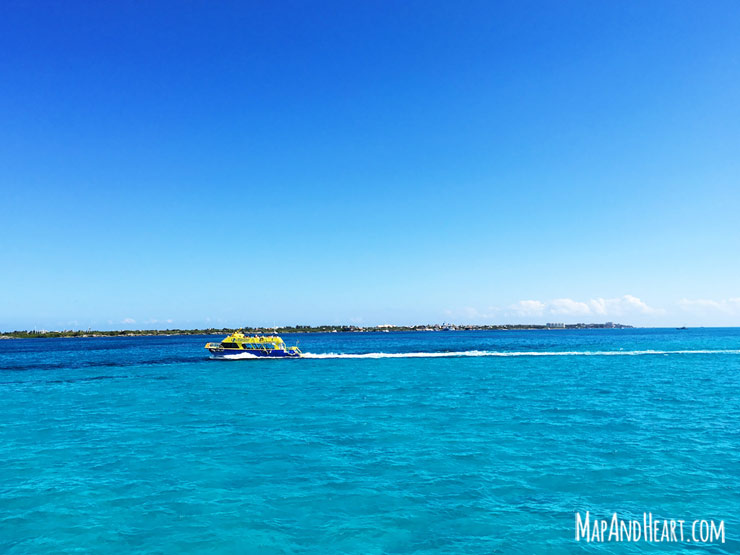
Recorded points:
268,346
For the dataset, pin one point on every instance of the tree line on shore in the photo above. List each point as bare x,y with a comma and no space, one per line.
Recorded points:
27,334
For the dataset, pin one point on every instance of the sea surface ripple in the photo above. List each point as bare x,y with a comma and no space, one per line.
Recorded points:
429,442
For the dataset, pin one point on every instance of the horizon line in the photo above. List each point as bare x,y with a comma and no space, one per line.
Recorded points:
352,328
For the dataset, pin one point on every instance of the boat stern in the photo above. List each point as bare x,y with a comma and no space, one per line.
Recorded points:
214,347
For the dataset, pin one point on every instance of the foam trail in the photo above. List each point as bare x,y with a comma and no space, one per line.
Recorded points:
240,356
520,354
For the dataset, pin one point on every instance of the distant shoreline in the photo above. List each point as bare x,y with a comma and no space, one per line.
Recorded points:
33,334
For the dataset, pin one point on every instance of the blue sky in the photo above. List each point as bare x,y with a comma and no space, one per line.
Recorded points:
183,165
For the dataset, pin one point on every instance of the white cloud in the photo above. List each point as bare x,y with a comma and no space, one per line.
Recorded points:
705,306
474,314
128,321
155,321
528,308
568,307
619,306
560,309
627,304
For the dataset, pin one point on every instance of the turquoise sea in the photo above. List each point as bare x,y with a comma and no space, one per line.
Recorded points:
460,442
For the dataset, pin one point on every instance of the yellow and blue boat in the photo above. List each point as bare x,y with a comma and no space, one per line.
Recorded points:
263,346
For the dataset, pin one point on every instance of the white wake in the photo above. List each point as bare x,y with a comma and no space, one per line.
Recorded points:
238,356
520,354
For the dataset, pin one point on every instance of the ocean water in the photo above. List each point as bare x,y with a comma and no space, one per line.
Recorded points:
430,442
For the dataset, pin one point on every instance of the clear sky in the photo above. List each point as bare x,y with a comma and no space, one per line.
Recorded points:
188,164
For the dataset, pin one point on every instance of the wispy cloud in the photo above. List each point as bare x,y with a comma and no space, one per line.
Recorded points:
626,305
619,306
128,321
528,308
708,306
471,314
568,307
155,321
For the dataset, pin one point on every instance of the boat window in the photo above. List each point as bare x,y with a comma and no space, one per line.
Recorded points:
230,345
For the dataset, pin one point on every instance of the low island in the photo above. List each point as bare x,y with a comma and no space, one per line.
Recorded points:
27,334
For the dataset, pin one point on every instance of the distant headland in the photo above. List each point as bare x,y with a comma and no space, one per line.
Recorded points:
27,334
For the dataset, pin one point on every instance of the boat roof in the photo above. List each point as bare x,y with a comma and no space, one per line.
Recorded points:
255,338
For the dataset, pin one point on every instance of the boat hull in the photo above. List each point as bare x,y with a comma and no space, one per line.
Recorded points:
258,353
